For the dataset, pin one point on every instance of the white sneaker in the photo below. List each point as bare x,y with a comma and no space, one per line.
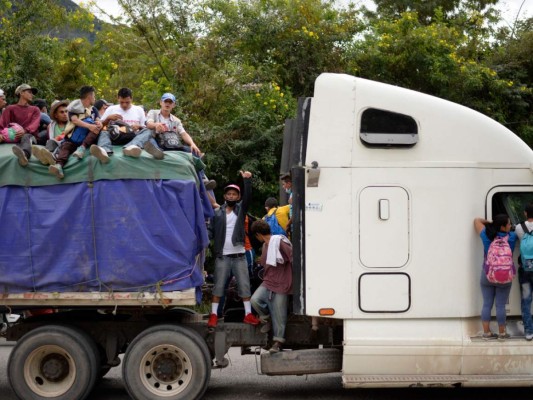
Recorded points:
56,170
23,160
99,153
43,155
79,153
132,151
529,336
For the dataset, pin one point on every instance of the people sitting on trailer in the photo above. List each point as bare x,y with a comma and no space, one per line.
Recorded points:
524,232
23,118
270,300
492,292
129,115
163,122
80,133
227,230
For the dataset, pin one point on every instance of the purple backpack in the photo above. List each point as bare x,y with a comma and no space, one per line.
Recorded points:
499,265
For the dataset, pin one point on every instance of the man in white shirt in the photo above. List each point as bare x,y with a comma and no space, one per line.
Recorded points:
124,111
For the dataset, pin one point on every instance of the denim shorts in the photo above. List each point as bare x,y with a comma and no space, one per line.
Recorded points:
226,265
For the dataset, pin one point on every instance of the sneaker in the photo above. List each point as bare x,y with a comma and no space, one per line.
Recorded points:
276,348
56,170
23,160
489,335
266,326
251,319
43,155
503,336
132,151
529,336
154,151
79,153
99,153
210,184
212,321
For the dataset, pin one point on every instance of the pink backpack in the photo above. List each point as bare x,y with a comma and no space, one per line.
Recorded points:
499,265
9,133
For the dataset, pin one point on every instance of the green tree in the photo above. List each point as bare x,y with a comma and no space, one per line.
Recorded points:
28,49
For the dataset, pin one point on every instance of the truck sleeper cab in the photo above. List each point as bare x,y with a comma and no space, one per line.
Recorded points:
391,181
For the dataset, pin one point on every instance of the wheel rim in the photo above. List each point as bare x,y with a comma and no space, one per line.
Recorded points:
49,371
166,370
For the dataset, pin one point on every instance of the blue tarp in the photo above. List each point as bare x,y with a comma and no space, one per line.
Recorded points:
106,235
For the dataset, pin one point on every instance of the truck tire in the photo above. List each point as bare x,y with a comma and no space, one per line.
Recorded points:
58,362
301,362
167,362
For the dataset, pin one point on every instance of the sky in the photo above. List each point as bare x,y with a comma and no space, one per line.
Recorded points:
509,8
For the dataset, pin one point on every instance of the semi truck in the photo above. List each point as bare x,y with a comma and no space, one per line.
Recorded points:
386,262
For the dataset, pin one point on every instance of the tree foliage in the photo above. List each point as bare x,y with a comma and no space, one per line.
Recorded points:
237,67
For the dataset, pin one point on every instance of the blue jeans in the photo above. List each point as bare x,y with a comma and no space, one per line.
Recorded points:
494,292
224,266
141,138
104,141
145,135
526,287
267,303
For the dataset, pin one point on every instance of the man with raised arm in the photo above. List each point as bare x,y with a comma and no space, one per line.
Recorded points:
227,230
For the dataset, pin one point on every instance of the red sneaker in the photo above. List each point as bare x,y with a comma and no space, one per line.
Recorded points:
251,319
212,321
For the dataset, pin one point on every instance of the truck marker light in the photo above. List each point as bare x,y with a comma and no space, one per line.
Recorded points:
326,311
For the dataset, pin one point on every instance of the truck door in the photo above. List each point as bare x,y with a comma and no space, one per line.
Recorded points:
384,227
384,246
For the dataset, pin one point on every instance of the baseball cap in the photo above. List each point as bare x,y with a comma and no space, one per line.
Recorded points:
234,187
24,87
168,96
1,93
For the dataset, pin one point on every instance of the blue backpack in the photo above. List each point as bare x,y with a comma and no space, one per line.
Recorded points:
80,133
526,249
275,227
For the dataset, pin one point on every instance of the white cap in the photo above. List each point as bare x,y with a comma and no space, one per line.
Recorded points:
1,93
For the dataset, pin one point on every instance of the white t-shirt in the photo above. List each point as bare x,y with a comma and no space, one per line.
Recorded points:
520,232
229,248
133,115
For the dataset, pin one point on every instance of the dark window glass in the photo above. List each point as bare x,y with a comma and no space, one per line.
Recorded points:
385,128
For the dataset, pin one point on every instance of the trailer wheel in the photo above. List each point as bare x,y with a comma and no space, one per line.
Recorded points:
56,362
166,361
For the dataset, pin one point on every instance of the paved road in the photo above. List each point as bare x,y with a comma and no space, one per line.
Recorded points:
240,381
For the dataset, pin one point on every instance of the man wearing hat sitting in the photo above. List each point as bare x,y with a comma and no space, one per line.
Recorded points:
25,115
227,230
59,115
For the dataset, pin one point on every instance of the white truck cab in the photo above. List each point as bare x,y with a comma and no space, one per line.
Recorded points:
389,182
